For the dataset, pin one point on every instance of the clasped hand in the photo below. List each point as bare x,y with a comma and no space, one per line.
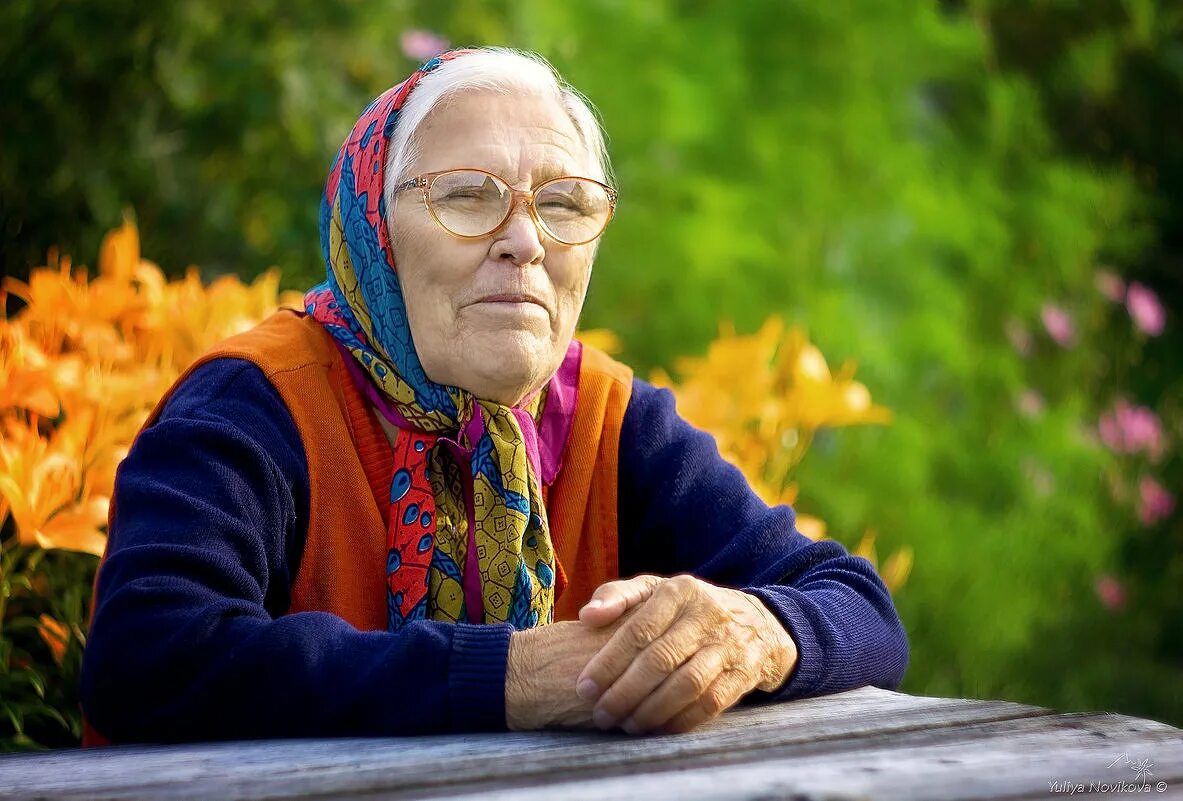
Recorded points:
649,654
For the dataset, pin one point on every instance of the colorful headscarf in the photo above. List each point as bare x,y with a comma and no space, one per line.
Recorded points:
465,482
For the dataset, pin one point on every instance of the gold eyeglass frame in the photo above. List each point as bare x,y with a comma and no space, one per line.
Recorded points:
425,181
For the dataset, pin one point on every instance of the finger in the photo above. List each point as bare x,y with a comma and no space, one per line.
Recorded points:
634,635
723,694
681,689
649,670
612,599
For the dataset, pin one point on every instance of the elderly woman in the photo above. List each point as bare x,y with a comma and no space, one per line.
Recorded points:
409,509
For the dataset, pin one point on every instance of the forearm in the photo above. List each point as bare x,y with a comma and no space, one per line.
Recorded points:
190,639
161,667
685,509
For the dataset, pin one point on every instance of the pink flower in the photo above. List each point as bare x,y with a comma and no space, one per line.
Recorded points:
1131,429
1110,591
1110,285
420,45
1020,337
1155,502
1031,403
1146,309
1058,324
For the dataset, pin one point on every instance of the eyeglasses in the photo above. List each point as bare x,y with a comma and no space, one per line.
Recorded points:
471,203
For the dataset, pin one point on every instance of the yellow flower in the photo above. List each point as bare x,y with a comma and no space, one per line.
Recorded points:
812,527
601,338
119,255
895,570
83,364
818,399
26,376
290,299
42,484
763,396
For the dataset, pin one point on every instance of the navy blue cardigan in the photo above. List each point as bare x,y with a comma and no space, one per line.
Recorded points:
190,640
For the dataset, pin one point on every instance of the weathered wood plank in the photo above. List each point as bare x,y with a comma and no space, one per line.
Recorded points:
748,740
183,768
1035,757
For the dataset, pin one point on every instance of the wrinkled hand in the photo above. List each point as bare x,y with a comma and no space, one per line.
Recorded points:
541,670
685,651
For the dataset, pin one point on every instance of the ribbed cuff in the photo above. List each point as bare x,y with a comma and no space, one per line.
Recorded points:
476,677
807,672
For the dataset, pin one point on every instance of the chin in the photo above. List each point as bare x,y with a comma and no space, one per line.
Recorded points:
510,362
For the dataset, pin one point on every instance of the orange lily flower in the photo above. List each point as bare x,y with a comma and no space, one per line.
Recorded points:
41,484
55,635
26,377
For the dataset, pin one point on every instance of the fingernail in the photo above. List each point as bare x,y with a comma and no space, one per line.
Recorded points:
631,726
596,604
603,719
588,690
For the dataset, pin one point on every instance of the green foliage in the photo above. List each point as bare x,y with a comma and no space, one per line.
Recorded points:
908,180
38,689
215,121
1110,79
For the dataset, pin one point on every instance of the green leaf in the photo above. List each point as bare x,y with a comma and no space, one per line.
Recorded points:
13,715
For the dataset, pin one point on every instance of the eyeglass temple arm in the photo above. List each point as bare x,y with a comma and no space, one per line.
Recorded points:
411,184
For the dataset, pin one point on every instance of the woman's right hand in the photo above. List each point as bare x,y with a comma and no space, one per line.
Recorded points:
544,663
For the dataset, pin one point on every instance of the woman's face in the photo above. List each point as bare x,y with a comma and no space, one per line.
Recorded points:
465,298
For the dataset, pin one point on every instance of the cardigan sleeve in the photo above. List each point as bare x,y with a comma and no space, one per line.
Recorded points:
684,509
190,640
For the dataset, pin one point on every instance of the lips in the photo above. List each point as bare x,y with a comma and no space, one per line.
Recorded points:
511,297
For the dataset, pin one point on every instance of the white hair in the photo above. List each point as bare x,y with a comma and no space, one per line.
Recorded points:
500,69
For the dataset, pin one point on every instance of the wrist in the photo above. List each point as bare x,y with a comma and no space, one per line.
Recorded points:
541,670
782,649
520,673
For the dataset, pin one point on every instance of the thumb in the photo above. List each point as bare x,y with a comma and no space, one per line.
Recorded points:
612,599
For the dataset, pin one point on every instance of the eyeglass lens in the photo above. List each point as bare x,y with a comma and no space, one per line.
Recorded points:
471,203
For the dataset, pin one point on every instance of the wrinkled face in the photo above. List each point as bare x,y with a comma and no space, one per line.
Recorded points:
493,315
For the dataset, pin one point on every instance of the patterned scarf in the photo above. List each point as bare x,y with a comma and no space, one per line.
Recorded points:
465,488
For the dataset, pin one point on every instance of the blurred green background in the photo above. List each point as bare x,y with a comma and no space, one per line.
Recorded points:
978,201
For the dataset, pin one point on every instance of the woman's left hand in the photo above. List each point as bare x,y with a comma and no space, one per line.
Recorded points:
690,651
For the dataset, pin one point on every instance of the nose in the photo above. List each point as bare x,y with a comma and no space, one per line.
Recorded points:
519,239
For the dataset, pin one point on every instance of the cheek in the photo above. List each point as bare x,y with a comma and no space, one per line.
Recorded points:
571,278
431,275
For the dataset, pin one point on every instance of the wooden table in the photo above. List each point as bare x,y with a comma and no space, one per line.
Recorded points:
866,743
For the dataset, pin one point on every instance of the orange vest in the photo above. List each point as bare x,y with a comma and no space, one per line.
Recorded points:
349,460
